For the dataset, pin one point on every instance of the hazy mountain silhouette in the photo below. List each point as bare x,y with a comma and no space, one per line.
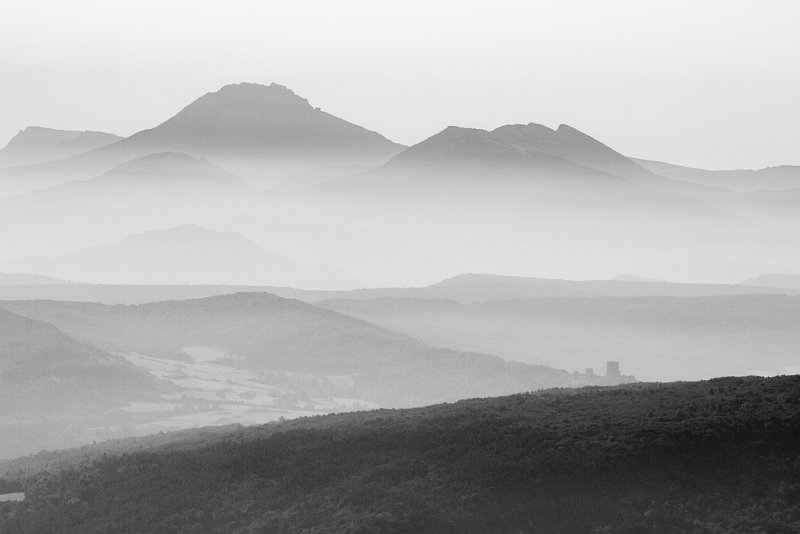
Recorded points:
464,289
261,132
571,145
183,255
22,279
775,280
255,120
35,144
635,278
530,162
163,173
472,150
478,287
780,178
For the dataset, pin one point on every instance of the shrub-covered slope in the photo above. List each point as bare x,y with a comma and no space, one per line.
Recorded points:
714,456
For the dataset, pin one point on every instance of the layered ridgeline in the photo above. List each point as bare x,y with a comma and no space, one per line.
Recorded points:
464,289
161,183
774,280
54,389
154,191
268,128
528,159
186,254
35,144
780,178
716,456
653,338
288,341
263,133
27,280
162,173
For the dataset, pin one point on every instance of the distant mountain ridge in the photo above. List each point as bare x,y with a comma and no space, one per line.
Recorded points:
160,173
779,178
258,120
22,279
35,144
775,280
513,146
187,254
526,162
465,289
263,133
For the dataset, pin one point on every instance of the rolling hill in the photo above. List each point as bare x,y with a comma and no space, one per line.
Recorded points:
170,181
165,170
715,456
345,357
54,388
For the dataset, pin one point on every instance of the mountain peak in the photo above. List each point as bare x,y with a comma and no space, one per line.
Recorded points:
260,132
250,94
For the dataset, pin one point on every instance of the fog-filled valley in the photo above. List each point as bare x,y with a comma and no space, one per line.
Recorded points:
253,257
254,260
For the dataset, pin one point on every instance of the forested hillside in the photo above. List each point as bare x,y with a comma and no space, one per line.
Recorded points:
711,457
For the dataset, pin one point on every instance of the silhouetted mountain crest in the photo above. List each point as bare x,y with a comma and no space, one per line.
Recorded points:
471,148
36,144
257,120
263,133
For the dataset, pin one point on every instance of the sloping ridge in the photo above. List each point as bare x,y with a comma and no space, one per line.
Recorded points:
530,160
253,120
35,145
270,333
168,168
250,128
35,354
780,178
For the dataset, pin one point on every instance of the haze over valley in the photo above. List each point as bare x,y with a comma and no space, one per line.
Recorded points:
399,267
253,257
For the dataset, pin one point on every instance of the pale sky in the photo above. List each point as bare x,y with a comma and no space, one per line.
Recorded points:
695,82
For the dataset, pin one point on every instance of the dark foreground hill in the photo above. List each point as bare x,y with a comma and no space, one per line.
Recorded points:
715,456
